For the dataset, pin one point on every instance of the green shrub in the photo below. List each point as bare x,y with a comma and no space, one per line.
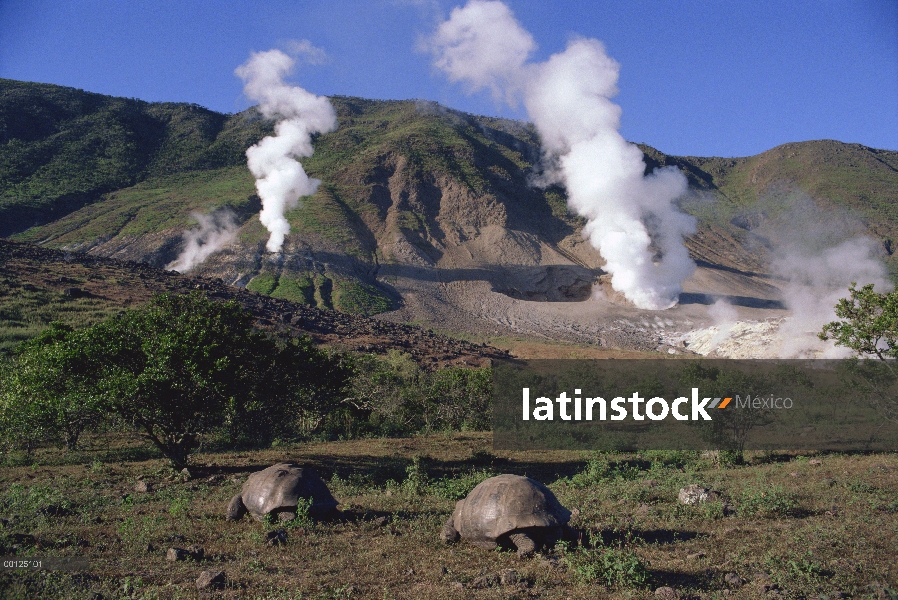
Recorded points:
393,396
28,499
805,568
456,488
767,501
610,566
599,470
416,479
595,471
418,482
178,507
713,510
53,389
303,517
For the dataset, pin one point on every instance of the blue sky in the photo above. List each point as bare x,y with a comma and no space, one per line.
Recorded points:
698,77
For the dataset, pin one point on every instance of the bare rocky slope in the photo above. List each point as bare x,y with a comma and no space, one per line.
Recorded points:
115,284
425,215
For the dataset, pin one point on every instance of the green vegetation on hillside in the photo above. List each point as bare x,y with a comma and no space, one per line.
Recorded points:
359,299
62,148
315,289
799,187
155,205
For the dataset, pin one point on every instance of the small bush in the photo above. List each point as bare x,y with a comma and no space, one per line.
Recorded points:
668,458
303,514
861,487
768,501
303,517
28,499
393,396
417,482
416,479
805,568
456,488
599,470
595,471
178,507
730,458
713,510
613,567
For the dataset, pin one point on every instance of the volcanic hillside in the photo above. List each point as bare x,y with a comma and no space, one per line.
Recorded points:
37,281
425,214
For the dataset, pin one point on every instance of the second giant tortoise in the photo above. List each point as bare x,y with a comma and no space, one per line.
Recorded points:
276,491
508,510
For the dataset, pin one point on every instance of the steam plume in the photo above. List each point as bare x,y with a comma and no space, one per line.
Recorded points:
631,218
817,279
214,232
280,178
817,254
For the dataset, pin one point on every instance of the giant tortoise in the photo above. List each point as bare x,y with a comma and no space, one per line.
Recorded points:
508,510
276,491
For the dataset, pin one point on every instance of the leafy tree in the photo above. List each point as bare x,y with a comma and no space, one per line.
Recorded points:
184,366
51,391
195,365
730,430
868,325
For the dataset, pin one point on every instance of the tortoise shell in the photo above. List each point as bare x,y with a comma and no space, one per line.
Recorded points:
279,488
503,504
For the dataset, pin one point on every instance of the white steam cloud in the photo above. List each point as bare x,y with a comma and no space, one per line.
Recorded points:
213,233
815,255
280,178
632,219
816,282
725,316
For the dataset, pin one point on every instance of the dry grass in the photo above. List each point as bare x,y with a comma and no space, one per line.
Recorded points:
808,529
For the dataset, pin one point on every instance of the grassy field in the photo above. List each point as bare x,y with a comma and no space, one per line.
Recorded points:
786,526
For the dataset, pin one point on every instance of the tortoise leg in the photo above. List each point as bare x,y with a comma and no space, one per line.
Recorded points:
449,535
236,509
525,544
286,515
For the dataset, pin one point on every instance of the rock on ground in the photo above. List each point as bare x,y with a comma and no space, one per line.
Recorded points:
210,580
696,494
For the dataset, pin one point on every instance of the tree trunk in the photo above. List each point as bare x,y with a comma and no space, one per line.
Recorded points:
176,448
